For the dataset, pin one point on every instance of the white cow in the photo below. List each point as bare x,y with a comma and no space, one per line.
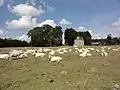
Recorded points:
88,54
65,51
102,50
39,50
15,54
116,49
55,58
90,48
30,51
39,54
58,50
83,54
104,54
80,50
46,50
70,50
61,52
76,48
52,53
97,50
22,56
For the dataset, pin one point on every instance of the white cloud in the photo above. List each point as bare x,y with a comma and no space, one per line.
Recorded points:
49,22
1,31
116,25
47,7
96,36
26,10
65,22
33,2
43,4
81,28
25,22
50,9
1,2
23,37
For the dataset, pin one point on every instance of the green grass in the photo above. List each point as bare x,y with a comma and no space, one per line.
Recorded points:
89,73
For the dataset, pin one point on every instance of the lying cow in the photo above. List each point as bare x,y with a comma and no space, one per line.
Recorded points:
4,56
15,54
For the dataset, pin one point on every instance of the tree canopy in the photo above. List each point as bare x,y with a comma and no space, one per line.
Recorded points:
12,43
46,36
70,36
86,36
110,40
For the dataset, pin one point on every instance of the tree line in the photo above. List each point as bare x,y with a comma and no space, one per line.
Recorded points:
71,34
12,43
47,35
52,36
109,40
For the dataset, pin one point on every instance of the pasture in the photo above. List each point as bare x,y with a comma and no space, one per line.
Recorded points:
74,72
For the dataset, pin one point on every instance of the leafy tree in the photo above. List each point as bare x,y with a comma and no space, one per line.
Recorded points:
70,36
86,36
58,35
37,36
13,43
45,35
109,40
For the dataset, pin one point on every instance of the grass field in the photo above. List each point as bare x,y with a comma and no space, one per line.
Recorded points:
72,73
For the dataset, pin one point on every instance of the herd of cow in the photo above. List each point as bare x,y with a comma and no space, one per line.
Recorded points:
51,53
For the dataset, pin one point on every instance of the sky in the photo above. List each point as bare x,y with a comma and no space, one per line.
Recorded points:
99,17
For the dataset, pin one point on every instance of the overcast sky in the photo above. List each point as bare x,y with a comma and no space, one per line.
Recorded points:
100,17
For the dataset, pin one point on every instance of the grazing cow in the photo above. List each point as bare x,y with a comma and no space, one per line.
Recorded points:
83,54
23,56
52,53
55,58
90,48
88,54
70,50
65,51
46,50
39,50
116,49
104,54
61,52
58,50
102,50
39,54
97,50
30,51
76,48
80,50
